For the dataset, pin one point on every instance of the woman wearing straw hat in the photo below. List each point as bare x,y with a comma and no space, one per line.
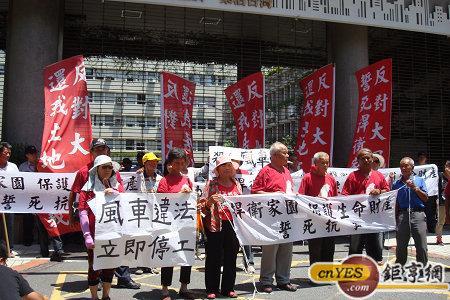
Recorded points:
221,238
101,179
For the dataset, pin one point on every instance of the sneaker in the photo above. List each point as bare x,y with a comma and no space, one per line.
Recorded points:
287,287
251,269
139,271
56,256
128,285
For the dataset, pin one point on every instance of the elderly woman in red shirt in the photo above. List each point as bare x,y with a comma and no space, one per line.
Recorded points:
221,238
101,179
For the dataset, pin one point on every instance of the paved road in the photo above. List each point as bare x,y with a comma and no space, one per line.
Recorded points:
69,280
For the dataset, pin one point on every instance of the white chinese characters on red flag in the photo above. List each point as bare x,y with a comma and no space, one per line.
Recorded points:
246,100
315,131
373,125
67,127
177,101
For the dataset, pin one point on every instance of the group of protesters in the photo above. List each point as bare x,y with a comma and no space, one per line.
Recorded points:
222,246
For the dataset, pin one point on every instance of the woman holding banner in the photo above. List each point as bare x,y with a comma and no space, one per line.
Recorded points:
221,238
175,182
101,179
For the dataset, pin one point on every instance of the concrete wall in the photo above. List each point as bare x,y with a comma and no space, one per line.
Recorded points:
34,38
348,49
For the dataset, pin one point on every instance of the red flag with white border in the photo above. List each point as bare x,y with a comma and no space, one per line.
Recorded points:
316,123
67,129
373,125
246,100
177,102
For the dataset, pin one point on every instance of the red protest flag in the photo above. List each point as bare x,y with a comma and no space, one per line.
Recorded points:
316,122
373,125
246,100
177,102
67,128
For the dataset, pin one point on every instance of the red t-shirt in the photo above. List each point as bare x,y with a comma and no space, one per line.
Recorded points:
173,183
271,180
312,184
82,177
243,172
225,214
357,183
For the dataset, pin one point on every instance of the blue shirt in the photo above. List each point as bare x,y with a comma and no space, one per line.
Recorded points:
406,197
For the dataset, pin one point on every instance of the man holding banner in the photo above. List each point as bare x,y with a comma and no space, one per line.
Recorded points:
370,182
276,259
7,166
318,183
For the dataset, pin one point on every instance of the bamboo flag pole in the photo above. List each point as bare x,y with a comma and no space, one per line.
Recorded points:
5,230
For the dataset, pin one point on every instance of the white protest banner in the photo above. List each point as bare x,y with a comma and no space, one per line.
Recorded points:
252,160
428,172
24,192
144,230
266,219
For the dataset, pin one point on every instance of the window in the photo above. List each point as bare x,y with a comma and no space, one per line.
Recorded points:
109,121
130,121
89,73
210,123
141,122
140,98
129,145
140,145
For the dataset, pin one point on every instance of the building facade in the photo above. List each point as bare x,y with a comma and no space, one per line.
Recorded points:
215,43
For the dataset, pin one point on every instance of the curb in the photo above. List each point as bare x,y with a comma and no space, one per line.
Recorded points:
413,252
30,264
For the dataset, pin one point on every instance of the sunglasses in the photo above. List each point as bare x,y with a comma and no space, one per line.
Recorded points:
107,167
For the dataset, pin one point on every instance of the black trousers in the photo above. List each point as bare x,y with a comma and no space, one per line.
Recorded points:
167,274
221,244
28,227
321,249
44,239
370,241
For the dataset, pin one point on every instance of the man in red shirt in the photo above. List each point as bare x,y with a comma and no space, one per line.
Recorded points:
99,147
276,259
318,183
371,182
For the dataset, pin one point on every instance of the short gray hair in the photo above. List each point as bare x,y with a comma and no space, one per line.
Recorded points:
407,160
320,155
277,147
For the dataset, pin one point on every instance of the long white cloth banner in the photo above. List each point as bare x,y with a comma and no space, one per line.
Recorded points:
266,219
144,230
23,192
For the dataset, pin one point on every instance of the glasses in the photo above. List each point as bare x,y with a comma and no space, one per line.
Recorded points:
107,167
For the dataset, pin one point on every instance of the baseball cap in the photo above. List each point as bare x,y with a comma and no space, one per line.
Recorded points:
98,143
30,149
150,156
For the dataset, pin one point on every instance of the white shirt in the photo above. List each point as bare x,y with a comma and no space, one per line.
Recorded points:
10,167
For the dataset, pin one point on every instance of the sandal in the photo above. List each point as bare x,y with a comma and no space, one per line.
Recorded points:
211,296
